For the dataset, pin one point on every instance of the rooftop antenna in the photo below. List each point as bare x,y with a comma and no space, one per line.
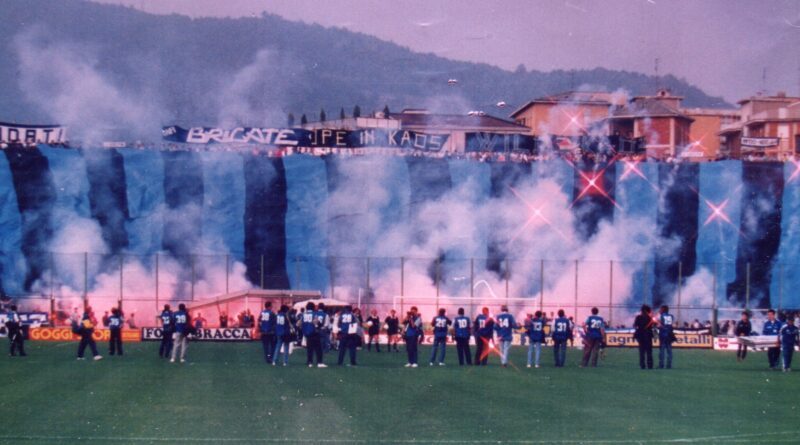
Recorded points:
658,79
764,81
572,80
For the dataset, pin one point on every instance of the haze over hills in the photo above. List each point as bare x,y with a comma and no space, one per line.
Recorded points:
105,66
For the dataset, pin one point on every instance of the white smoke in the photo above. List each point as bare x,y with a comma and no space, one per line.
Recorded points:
65,81
251,96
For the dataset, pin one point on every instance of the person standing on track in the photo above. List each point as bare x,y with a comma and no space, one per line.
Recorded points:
167,329
348,335
412,330
182,325
283,335
561,333
772,327
15,333
484,328
311,328
535,331
643,325
666,336
505,326
461,333
266,327
441,325
743,329
86,330
115,322
373,331
788,337
392,326
593,333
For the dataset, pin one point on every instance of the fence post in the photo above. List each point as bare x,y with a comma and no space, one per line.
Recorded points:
121,262
227,273
156,283
780,287
332,262
610,290
52,288
85,279
402,284
298,275
191,258
575,307
644,283
714,315
368,280
262,272
680,285
438,280
541,285
508,265
747,288
471,287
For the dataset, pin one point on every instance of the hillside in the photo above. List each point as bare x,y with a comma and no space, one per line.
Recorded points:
248,70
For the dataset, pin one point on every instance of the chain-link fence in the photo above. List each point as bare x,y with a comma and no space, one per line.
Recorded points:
701,294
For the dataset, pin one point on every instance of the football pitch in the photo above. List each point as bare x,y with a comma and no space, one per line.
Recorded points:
225,393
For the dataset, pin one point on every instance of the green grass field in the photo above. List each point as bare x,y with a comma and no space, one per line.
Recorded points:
225,393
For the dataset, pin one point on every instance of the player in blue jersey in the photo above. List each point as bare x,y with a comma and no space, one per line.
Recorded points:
788,337
115,322
283,335
412,331
311,326
86,331
14,331
349,328
167,329
772,327
182,325
266,327
560,333
666,336
484,328
594,331
534,330
461,332
504,326
441,325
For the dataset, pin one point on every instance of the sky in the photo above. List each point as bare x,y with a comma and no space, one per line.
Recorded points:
726,47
